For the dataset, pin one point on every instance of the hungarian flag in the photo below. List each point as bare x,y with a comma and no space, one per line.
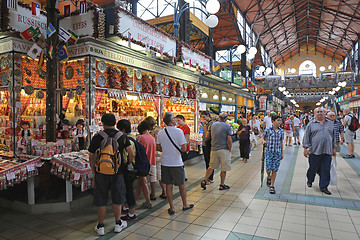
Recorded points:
28,33
35,9
74,38
51,51
82,7
63,53
67,11
161,51
129,39
41,60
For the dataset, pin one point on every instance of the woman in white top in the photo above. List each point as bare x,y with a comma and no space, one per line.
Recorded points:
255,128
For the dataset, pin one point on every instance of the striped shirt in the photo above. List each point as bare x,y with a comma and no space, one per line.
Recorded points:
338,128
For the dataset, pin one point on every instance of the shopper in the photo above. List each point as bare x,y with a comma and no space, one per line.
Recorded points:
154,130
289,130
339,131
267,120
296,122
319,144
206,142
255,130
273,140
349,135
149,144
106,182
171,142
244,140
221,144
129,207
180,120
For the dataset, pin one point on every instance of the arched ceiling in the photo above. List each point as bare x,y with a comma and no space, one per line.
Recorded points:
285,26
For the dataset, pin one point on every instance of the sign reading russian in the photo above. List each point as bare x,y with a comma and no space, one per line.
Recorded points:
82,25
196,58
145,33
21,19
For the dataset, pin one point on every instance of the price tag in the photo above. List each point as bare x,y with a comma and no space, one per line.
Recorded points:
30,167
60,168
77,176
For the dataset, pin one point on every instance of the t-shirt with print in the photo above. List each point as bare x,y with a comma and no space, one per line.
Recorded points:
186,130
219,134
171,157
149,144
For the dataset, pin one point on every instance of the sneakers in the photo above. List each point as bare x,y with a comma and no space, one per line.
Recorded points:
349,156
146,205
100,230
119,227
128,218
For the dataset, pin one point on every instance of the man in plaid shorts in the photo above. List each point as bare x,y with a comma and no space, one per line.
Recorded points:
273,140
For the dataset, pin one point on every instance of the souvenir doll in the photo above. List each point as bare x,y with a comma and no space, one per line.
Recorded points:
80,133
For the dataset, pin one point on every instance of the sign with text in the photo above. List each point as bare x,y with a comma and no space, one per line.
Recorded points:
21,19
16,45
82,25
145,33
196,58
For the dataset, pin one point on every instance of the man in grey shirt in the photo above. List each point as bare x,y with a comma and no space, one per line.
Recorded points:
221,144
319,144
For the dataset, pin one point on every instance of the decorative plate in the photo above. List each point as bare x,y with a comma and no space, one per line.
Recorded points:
42,73
17,72
28,72
138,86
185,85
158,78
4,79
130,84
9,57
185,93
3,62
79,90
63,92
70,94
40,94
166,80
117,70
102,81
166,91
130,72
69,72
78,71
29,89
138,74
181,92
101,66
93,60
93,74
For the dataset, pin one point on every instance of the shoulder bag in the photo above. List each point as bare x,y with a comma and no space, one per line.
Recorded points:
184,155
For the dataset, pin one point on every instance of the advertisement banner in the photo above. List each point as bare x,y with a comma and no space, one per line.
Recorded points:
21,19
196,58
82,25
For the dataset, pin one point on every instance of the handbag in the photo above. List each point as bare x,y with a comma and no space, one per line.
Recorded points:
184,155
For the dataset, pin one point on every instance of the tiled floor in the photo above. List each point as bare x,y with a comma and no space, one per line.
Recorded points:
246,211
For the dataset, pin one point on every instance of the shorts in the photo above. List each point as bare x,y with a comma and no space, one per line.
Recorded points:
152,173
104,183
223,157
349,136
158,168
297,132
337,147
173,175
272,160
288,133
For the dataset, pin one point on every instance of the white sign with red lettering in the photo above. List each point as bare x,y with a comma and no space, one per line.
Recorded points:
22,18
196,58
16,45
81,25
144,33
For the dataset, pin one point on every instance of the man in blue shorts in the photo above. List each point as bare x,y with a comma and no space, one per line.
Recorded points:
273,140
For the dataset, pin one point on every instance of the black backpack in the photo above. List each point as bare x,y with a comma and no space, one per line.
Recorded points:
142,164
354,123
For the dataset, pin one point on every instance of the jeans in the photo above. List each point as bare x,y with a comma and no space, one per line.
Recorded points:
323,162
129,183
206,150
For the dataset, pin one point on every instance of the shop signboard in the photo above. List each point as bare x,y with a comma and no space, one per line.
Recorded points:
22,18
82,24
262,102
17,45
138,30
196,58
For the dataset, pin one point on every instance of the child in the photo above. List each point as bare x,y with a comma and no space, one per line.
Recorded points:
273,141
80,133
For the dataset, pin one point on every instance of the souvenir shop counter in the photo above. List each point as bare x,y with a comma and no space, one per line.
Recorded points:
75,169
16,169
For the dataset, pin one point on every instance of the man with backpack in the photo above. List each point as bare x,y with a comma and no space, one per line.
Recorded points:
105,161
351,124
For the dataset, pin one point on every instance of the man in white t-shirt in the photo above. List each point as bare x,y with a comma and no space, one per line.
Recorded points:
296,121
267,120
171,142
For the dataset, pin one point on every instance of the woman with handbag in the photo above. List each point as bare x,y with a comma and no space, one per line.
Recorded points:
255,129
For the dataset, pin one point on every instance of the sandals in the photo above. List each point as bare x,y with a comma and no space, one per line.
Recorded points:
189,207
171,212
224,187
163,196
272,190
268,182
152,198
203,184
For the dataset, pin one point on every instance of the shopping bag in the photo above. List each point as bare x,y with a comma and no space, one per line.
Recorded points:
333,175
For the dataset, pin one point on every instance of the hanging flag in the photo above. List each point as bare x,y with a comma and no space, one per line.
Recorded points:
129,39
189,63
37,33
64,35
41,60
63,53
67,10
51,51
204,68
41,42
147,47
28,33
50,30
34,51
74,38
197,67
82,7
12,4
35,9
183,60
161,51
